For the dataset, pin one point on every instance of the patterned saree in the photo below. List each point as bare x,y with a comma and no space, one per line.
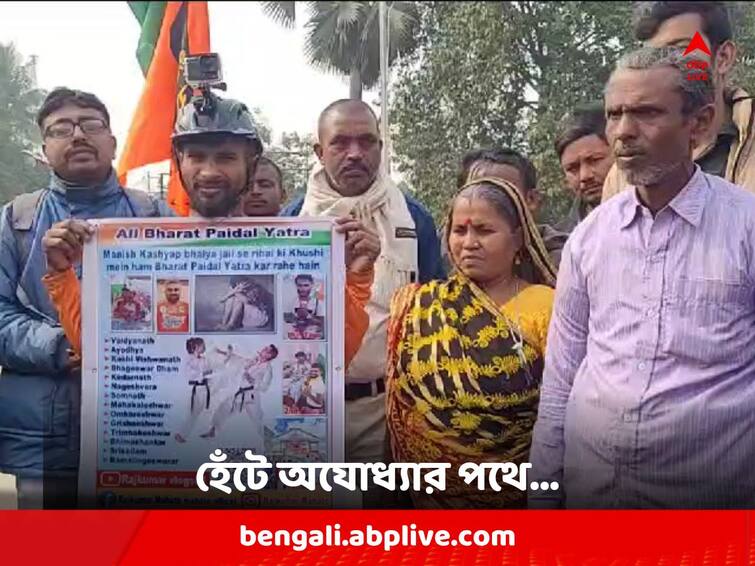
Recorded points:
463,380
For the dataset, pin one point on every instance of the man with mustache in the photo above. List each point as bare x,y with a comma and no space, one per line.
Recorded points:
349,181
585,160
303,313
39,387
216,157
648,397
173,313
726,149
267,193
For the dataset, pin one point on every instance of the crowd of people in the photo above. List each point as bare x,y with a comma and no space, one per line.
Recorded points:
614,350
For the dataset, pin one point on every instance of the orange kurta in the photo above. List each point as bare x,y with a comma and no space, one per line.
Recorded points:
65,293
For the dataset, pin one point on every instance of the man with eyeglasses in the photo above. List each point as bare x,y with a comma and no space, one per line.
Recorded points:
40,381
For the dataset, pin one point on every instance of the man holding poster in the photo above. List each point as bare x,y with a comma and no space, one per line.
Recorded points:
215,163
215,167
39,377
350,180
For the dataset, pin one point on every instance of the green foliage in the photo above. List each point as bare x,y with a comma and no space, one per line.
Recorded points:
19,135
499,74
503,74
343,37
743,23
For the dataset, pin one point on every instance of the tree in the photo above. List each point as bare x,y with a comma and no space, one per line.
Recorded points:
503,73
295,157
343,37
499,74
742,16
262,123
19,135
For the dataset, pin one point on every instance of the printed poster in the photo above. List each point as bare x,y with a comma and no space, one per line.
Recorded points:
204,335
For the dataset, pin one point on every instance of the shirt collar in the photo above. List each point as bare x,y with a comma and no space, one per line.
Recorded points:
688,204
690,201
630,208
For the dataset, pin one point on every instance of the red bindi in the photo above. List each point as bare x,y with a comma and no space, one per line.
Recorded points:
467,222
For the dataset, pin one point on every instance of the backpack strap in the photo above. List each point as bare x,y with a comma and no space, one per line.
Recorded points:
23,209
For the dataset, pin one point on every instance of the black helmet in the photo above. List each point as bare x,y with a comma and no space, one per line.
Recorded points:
228,117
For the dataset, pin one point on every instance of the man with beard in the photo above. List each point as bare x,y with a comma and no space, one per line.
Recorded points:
216,163
215,156
647,396
173,313
727,148
585,159
40,384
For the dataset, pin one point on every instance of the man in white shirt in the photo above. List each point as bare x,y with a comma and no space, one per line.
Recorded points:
256,376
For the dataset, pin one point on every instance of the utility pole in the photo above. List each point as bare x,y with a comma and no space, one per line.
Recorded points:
384,52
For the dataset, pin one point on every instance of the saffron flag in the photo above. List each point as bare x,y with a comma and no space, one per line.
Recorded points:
169,32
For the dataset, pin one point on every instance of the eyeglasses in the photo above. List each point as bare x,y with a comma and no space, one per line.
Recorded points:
66,128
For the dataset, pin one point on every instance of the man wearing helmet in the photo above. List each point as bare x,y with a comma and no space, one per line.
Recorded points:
216,156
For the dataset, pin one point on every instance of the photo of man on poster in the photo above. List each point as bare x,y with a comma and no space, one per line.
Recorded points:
304,312
243,395
173,310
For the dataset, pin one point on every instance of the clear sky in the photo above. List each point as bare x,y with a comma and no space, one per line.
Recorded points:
91,46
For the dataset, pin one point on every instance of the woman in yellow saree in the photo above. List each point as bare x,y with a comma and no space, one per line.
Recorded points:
466,354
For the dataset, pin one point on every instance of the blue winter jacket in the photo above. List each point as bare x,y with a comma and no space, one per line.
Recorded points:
39,399
428,245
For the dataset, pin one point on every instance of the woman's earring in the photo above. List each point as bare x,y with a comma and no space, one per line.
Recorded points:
517,259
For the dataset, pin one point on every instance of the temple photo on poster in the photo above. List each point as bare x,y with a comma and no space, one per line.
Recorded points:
297,440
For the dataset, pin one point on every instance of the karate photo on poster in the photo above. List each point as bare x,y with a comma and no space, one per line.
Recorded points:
226,382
